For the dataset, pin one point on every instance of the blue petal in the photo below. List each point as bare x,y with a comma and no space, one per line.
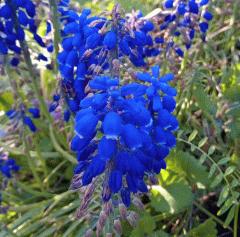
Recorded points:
93,40
133,88
157,103
131,182
110,40
155,71
143,76
193,7
78,144
204,2
131,136
208,15
66,115
125,195
86,125
181,8
115,181
168,3
169,103
28,121
112,125
35,112
203,27
107,147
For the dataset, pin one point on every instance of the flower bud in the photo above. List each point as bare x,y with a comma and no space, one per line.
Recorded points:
117,226
102,218
109,235
89,233
138,203
122,211
132,218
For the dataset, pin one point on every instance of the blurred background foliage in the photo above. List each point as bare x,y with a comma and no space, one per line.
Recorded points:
198,193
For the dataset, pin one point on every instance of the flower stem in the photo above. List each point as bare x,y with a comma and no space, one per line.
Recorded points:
59,148
31,165
31,72
56,30
235,228
208,213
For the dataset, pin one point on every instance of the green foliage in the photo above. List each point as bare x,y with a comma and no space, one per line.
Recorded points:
172,198
145,226
206,229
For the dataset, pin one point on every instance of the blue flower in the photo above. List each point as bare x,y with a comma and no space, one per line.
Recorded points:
112,125
12,32
19,117
110,40
8,166
182,22
127,129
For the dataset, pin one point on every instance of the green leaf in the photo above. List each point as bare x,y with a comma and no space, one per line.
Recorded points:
188,167
206,229
212,170
159,233
204,101
145,226
223,195
225,206
202,142
211,150
223,161
173,198
217,180
6,100
193,135
230,216
230,170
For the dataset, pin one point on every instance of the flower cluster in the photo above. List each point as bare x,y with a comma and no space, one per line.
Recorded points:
55,104
8,167
179,23
87,44
136,125
20,117
15,17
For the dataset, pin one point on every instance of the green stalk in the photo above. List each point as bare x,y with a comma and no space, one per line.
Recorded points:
235,227
46,180
59,149
31,72
56,30
34,80
31,164
208,213
41,159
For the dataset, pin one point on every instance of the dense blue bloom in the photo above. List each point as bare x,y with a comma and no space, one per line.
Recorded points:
183,19
86,49
12,32
136,124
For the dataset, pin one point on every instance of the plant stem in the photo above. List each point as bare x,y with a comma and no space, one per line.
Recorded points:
30,162
208,213
59,148
235,228
28,60
56,30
